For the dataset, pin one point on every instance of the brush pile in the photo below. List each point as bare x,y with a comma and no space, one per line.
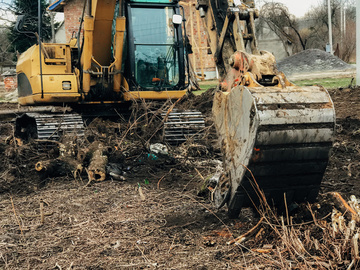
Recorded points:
324,235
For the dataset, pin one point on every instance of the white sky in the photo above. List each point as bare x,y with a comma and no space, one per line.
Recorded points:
297,7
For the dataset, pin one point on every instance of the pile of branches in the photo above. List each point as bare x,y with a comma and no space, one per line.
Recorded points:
329,240
97,156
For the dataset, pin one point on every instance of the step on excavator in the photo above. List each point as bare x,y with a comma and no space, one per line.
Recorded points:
275,136
125,51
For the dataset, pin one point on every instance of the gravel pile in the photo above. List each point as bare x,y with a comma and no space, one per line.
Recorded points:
311,61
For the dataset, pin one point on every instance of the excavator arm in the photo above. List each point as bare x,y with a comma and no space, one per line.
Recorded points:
275,137
229,28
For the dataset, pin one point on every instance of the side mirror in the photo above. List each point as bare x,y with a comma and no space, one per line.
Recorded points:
177,19
20,23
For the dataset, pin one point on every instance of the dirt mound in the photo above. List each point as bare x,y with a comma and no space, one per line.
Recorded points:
310,61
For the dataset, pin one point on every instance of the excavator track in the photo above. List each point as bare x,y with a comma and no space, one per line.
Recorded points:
179,126
276,138
49,126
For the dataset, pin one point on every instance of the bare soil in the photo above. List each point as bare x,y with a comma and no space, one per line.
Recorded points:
344,166
109,225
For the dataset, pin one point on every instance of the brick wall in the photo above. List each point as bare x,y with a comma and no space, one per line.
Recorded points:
200,59
72,14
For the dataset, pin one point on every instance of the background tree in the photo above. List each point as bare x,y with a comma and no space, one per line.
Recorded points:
312,30
20,42
6,58
285,25
316,22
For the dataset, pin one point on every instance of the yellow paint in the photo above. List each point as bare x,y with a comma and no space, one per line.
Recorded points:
56,63
49,98
131,95
102,12
53,74
87,52
119,45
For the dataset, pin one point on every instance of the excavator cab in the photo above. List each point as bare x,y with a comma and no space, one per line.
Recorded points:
156,51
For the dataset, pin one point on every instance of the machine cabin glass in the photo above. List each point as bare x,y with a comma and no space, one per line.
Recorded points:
156,48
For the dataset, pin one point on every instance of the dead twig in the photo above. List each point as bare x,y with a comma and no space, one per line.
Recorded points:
202,177
345,207
16,216
172,243
286,209
35,216
250,232
42,212
143,254
142,196
313,215
158,183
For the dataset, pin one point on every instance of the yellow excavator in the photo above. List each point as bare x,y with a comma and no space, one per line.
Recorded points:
274,136
124,51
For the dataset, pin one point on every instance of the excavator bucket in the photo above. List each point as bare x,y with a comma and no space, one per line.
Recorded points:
276,140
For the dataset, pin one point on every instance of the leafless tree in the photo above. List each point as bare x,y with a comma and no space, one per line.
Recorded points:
348,45
282,23
6,58
311,31
317,28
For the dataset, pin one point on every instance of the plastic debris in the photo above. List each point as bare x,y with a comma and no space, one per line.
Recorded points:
159,148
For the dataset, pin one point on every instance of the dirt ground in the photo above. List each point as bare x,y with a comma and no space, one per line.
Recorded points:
343,170
169,223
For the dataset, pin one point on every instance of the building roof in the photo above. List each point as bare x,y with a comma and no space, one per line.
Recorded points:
57,6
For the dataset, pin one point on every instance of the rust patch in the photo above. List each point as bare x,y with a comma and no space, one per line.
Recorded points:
328,105
257,155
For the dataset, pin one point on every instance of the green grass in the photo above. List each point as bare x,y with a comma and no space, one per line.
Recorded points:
205,85
326,82
199,92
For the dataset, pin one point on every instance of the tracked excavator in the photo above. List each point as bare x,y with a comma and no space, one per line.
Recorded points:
125,51
275,136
